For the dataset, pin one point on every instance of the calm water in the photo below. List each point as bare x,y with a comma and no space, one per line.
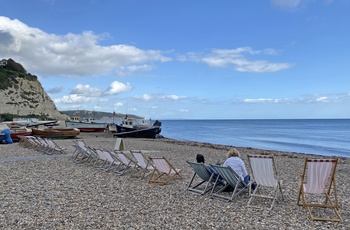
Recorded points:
322,137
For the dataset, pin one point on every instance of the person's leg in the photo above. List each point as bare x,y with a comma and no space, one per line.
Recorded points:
247,179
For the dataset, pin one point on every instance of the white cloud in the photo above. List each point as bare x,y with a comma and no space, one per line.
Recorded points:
148,97
74,99
70,54
118,104
118,87
81,89
175,97
236,58
315,98
295,4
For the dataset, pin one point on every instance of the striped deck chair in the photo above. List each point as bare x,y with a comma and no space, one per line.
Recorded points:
232,179
110,161
318,189
163,171
265,175
55,147
127,163
202,180
144,165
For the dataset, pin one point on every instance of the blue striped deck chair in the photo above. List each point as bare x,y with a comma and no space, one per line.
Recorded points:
231,179
202,180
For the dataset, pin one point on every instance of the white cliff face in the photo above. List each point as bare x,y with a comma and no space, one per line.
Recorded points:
28,97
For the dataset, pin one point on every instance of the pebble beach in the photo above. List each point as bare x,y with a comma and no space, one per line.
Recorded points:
46,192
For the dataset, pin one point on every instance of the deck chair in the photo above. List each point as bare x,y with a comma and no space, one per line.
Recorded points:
265,175
144,165
111,161
317,190
231,179
127,163
206,179
163,171
55,147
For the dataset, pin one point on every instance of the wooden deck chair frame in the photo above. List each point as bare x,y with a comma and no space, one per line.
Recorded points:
127,164
231,179
265,175
111,161
79,143
163,171
144,166
318,179
81,154
206,179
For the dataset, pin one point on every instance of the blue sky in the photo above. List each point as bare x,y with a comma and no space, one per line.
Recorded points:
186,59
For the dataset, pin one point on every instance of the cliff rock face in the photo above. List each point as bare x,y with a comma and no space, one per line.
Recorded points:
22,94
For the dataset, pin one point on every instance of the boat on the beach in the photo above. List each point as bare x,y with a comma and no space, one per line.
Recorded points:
132,124
19,131
87,126
59,133
140,133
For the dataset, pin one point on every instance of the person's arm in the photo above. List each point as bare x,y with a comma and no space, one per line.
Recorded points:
244,169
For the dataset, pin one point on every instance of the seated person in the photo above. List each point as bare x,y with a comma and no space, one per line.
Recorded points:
6,130
237,164
200,159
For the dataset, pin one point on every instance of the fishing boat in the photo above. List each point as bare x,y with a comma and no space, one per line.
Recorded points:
59,133
87,126
19,131
132,124
140,133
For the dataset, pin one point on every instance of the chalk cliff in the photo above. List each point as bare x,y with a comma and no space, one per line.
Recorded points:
22,94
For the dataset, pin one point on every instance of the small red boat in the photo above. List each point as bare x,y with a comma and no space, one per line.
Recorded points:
19,131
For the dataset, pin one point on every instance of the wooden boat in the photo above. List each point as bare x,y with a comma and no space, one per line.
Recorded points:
56,132
140,133
88,126
19,131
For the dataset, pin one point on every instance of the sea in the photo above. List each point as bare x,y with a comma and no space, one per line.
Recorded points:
327,137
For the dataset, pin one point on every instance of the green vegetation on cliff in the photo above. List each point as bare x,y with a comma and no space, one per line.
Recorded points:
11,71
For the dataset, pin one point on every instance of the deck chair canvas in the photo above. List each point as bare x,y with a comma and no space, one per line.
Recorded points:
232,179
144,165
163,171
202,180
127,164
265,175
317,190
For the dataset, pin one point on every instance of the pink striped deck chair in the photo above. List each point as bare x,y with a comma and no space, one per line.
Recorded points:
318,189
265,175
163,171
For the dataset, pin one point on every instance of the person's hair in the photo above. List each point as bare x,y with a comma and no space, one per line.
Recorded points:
200,158
233,153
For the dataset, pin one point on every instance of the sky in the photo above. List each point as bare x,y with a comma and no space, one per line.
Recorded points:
162,59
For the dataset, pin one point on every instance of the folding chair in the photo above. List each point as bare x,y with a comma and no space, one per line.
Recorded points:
265,175
110,161
232,179
55,147
318,189
163,171
144,165
206,179
126,163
